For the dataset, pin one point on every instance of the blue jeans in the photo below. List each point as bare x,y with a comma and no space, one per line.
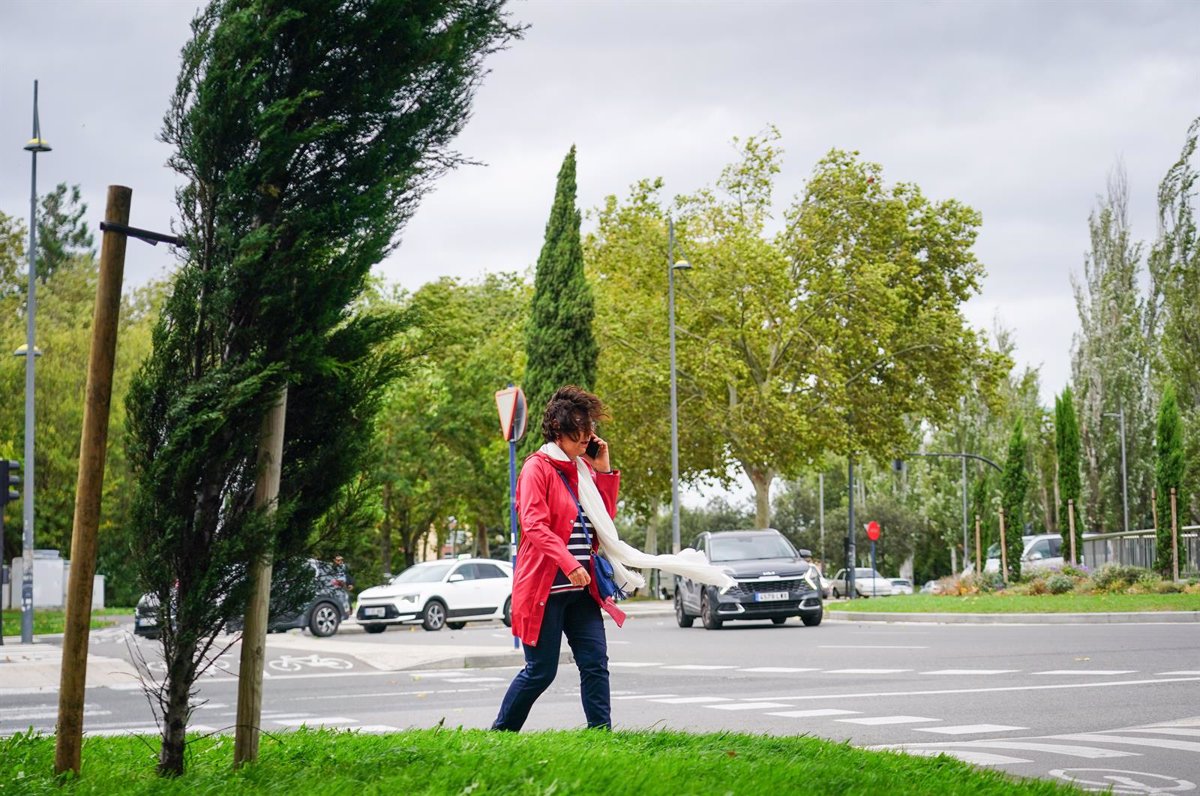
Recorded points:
575,615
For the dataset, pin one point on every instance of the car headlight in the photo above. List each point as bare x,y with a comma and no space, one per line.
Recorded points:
407,598
811,579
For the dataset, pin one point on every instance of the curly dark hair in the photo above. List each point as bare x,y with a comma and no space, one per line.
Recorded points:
572,411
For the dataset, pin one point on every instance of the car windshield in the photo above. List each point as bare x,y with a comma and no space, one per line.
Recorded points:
424,573
900,582
748,548
994,550
866,572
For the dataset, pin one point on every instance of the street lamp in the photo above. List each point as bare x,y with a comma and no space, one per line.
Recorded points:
1120,414
36,144
672,266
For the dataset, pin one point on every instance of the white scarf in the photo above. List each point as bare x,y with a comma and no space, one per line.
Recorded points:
687,563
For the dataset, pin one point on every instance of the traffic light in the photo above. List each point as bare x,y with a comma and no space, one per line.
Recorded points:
10,481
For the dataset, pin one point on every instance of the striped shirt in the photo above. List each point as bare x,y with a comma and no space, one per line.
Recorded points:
577,545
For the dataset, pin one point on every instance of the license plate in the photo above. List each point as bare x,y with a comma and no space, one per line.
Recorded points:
374,611
769,596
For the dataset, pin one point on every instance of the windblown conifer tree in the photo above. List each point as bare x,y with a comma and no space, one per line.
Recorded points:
1066,434
305,131
1015,484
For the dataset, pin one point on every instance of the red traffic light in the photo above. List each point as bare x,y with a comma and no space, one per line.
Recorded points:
873,530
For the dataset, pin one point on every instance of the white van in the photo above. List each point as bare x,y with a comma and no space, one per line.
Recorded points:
1041,551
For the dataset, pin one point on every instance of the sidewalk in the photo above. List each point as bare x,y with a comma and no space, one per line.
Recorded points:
1152,617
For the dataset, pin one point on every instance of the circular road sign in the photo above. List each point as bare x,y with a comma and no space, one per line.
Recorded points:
873,530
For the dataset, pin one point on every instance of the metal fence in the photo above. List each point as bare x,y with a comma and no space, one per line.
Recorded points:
1136,549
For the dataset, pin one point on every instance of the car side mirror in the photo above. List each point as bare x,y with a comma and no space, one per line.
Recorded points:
1035,556
455,578
805,553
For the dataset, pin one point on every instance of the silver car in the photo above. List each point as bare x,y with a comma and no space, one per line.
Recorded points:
867,583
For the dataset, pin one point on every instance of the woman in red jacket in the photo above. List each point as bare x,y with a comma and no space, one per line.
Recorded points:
553,593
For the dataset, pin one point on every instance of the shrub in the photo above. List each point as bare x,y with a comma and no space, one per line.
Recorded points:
1060,583
1168,587
1116,577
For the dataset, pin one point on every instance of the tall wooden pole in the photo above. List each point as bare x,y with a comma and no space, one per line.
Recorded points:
1071,528
89,486
1003,551
254,630
1174,536
978,550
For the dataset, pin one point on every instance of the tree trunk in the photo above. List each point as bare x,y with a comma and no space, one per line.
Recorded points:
761,479
385,531
176,710
481,541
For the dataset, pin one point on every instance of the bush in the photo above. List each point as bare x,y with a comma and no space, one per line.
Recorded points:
1116,577
1060,583
1167,587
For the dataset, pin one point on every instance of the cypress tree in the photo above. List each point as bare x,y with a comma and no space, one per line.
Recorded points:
1168,471
1015,485
1066,433
559,346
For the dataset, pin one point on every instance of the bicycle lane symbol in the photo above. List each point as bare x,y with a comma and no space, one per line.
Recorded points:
1124,782
295,663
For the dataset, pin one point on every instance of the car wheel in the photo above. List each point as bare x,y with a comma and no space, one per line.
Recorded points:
835,594
708,614
681,616
374,628
324,620
508,612
434,615
456,625
778,620
812,618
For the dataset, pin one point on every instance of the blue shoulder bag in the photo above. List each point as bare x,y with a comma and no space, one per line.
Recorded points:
602,569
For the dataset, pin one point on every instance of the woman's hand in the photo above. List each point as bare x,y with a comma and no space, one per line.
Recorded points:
600,463
579,576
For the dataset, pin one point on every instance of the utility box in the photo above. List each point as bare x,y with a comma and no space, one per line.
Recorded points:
49,579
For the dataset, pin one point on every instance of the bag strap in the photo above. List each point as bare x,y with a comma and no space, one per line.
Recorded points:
582,516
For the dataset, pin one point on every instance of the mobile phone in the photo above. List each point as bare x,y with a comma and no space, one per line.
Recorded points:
593,448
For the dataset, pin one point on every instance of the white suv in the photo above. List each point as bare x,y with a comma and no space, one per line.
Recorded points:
1042,551
449,592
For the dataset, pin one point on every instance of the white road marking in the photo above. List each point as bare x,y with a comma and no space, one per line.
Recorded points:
416,692
1158,743
970,729
992,690
374,728
975,758
630,664
698,667
806,714
971,671
1167,731
1179,674
320,721
36,712
474,680
644,696
144,730
869,647
1067,750
866,671
211,706
779,669
690,700
748,706
1096,672
873,721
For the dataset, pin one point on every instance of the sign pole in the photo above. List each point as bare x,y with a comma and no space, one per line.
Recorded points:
513,411
874,571
512,513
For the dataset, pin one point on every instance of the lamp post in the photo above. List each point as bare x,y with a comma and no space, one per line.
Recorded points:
671,267
36,144
963,456
1120,415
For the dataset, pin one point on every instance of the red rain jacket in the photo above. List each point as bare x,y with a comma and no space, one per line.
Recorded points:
547,512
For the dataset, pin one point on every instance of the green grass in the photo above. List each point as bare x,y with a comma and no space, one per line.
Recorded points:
48,621
1021,603
479,762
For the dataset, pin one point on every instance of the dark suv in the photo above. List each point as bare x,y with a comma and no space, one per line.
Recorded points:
327,604
773,581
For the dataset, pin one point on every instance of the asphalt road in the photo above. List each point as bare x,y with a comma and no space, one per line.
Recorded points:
1112,705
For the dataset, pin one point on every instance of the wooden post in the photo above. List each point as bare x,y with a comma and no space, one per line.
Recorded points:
254,629
1071,528
1174,536
1154,509
978,551
90,483
1003,551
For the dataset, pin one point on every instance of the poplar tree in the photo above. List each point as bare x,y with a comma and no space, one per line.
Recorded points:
1169,470
559,346
305,133
1066,433
1014,486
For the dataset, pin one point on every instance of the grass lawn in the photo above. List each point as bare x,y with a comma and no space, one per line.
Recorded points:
480,762
1021,603
53,621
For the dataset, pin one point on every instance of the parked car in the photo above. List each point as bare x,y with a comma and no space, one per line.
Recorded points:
447,592
901,585
773,581
325,605
867,583
1039,551
931,587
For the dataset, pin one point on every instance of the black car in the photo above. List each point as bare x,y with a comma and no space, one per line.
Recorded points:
773,581
327,604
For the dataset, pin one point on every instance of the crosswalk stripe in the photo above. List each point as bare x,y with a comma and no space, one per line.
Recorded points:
970,729
812,714
630,664
872,721
690,700
1190,673
1067,750
1158,743
698,667
144,730
970,671
34,715
779,669
1093,672
749,705
1167,731
644,696
866,671
372,729
314,722
974,758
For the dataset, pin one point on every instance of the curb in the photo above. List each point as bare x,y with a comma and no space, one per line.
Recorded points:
1139,617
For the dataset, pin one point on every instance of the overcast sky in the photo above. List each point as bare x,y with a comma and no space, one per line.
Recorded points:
1018,109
